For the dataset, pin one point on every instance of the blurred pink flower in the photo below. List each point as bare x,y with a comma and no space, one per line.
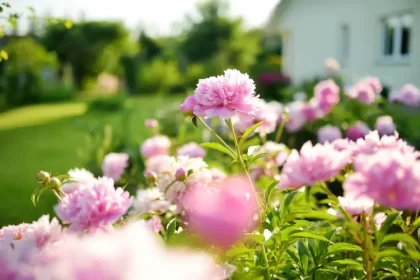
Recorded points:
114,165
332,66
374,83
43,231
80,178
363,92
94,208
13,232
154,224
327,94
157,145
379,219
130,253
373,143
223,212
224,96
191,149
151,123
156,163
356,206
328,133
312,165
409,95
385,125
358,130
311,110
343,145
389,177
297,117
267,115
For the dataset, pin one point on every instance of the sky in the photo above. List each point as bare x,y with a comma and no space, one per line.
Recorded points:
158,16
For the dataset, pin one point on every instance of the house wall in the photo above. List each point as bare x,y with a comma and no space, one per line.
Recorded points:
312,34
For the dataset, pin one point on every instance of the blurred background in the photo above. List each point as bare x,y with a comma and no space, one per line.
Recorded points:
78,78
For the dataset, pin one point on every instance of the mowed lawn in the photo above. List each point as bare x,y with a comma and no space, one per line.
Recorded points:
47,137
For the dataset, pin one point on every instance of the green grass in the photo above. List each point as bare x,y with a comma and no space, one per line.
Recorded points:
47,137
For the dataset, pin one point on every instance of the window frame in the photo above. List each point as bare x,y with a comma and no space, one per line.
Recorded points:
396,57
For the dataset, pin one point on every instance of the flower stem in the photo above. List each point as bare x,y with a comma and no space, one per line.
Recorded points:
366,249
242,162
267,265
284,119
216,135
57,195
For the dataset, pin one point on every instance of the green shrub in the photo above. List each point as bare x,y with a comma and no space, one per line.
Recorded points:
112,103
159,76
56,92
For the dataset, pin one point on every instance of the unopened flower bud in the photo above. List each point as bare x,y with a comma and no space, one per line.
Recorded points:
43,177
151,177
180,174
151,123
402,246
55,183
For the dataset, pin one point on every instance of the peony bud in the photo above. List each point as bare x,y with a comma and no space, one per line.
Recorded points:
55,183
180,174
151,177
43,177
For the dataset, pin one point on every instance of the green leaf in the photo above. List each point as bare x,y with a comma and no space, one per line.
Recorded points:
269,191
346,262
69,23
329,235
257,157
342,247
12,22
289,198
320,215
300,235
237,251
218,147
329,270
259,238
390,252
248,132
416,223
303,255
3,55
397,237
387,224
170,230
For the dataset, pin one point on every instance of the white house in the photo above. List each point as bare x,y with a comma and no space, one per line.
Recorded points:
368,37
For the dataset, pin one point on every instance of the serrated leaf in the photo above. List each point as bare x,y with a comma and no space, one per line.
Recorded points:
248,132
397,237
346,262
342,247
259,238
237,251
300,235
170,229
218,147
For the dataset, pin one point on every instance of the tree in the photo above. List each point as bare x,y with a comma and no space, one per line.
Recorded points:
89,47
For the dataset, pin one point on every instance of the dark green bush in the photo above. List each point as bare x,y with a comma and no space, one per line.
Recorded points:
112,103
56,92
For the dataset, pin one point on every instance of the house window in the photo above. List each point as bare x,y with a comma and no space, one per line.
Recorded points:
344,43
396,37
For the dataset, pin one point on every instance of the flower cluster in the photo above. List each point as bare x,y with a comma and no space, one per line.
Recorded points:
366,90
408,95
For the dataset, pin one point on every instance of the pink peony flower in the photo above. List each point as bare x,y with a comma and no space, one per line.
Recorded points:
363,92
114,164
188,106
374,83
150,200
151,123
312,165
155,146
157,163
154,224
209,211
311,110
328,133
43,231
80,178
385,125
277,108
297,117
356,206
191,149
358,130
343,145
389,177
12,232
174,190
130,253
374,143
224,96
327,93
409,95
94,208
267,115
332,66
